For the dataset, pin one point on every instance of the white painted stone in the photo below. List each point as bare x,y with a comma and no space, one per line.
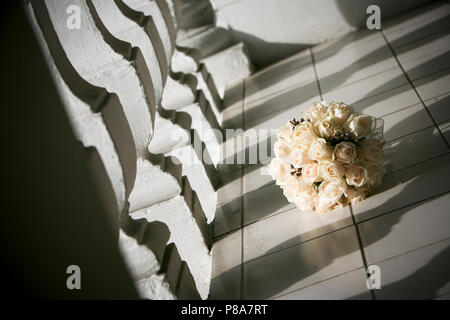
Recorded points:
174,141
155,288
176,95
141,261
150,8
209,41
185,233
169,136
229,66
181,62
127,30
100,65
88,126
146,191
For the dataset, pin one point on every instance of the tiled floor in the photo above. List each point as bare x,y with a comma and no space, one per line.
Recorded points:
267,249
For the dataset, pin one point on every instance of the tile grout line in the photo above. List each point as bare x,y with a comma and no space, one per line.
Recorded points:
387,174
296,244
403,207
313,61
414,88
316,283
361,248
417,163
358,222
413,250
408,134
353,270
421,38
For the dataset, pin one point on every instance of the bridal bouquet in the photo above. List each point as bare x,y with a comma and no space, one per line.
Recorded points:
328,159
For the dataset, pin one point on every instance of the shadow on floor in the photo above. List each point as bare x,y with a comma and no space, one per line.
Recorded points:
295,96
280,274
425,283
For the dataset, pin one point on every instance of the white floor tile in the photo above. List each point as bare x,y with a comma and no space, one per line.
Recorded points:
226,253
406,121
420,274
406,186
414,148
351,285
227,218
262,110
302,265
440,111
406,229
230,188
273,80
276,111
290,228
264,202
445,129
426,56
388,102
439,107
256,177
228,212
366,88
233,105
417,24
360,38
356,63
433,85
226,286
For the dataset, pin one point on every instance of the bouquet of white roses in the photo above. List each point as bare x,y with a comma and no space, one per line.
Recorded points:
329,158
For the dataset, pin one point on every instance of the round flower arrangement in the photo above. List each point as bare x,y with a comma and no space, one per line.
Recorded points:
328,159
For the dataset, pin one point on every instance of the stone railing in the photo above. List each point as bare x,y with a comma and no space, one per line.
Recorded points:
137,79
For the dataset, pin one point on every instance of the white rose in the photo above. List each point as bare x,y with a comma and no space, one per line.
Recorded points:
371,150
375,175
329,170
325,127
356,175
303,135
293,186
282,150
355,195
285,152
315,112
359,126
307,199
279,170
340,111
284,132
330,191
299,158
320,150
345,152
310,172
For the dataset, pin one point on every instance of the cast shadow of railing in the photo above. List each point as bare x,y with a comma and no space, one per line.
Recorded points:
301,266
280,274
293,96
270,284
400,129
425,283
